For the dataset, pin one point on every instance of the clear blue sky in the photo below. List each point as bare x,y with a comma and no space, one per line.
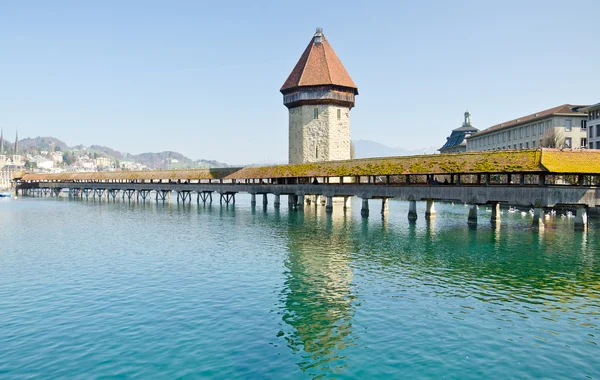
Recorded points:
203,78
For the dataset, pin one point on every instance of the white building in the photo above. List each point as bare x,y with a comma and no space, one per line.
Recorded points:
593,125
319,94
527,131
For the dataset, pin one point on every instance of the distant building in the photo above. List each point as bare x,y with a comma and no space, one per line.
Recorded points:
593,125
57,157
103,162
456,142
528,131
319,94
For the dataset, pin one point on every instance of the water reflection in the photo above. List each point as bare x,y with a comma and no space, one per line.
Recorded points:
317,298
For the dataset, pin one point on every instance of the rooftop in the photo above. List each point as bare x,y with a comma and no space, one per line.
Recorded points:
318,66
565,109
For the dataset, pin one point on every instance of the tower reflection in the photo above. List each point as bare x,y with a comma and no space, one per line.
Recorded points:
317,297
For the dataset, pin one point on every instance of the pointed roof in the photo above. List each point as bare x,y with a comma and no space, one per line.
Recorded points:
318,66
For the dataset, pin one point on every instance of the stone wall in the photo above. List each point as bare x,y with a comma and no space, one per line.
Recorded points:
324,138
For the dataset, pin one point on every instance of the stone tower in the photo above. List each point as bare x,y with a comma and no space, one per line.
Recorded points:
319,94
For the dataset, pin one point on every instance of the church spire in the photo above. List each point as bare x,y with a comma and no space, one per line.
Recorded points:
1,140
17,142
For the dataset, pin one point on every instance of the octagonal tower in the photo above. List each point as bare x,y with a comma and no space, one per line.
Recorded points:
319,94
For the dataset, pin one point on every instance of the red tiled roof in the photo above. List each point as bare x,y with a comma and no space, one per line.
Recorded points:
565,109
318,65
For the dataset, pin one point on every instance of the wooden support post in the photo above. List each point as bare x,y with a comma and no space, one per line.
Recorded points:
265,200
252,199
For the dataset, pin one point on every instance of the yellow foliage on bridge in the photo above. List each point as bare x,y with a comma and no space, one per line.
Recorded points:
513,161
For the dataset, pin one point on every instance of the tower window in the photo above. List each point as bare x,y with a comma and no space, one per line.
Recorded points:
339,114
316,113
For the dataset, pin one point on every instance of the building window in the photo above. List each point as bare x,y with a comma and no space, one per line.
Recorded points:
568,142
533,144
526,145
527,131
533,129
316,113
568,125
521,134
597,144
503,136
598,130
583,125
339,112
583,142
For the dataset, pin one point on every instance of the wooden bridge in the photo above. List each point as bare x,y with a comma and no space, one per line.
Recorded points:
528,178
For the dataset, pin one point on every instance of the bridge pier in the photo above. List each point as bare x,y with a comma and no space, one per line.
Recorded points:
87,192
252,199
412,211
265,199
346,199
384,206
300,201
329,205
99,193
228,197
205,196
129,193
161,195
364,210
495,219
184,196
144,194
538,218
291,200
580,219
472,219
277,201
430,209
113,193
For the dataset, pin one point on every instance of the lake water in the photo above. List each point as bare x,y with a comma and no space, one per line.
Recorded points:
92,289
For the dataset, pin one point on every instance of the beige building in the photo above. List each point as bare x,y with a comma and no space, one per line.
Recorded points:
593,125
526,132
319,94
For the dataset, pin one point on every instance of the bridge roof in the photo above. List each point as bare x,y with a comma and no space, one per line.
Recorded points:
133,175
476,162
515,161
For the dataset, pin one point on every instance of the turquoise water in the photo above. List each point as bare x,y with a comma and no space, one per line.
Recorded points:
91,290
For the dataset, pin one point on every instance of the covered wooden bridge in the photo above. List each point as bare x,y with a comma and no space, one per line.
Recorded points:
528,178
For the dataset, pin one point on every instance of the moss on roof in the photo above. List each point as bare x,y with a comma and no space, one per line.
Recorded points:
182,174
476,162
581,161
515,161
